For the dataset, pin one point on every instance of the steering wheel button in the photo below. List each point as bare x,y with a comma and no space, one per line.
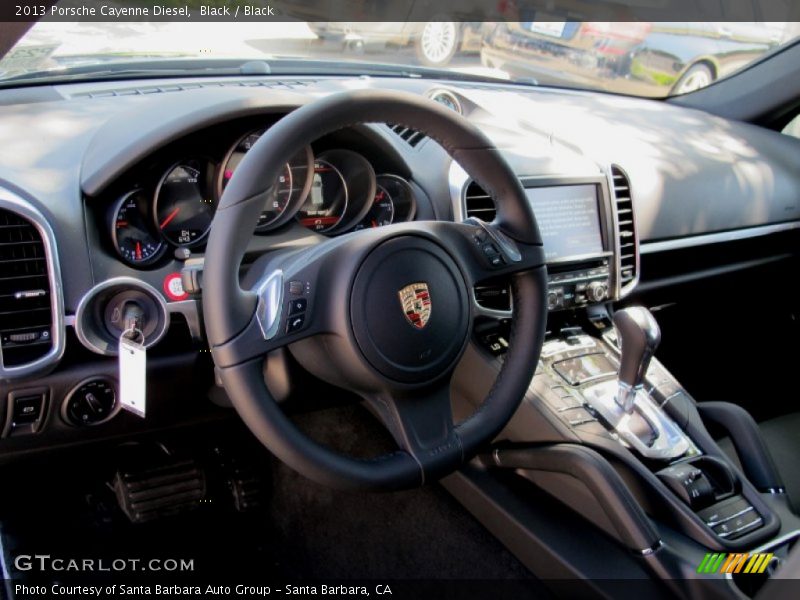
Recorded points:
295,323
296,288
297,306
496,261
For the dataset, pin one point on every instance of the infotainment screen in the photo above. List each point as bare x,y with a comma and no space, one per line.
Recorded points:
568,219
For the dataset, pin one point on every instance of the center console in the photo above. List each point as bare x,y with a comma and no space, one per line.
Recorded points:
607,431
607,391
604,427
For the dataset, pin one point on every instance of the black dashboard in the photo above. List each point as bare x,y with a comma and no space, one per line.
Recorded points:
115,186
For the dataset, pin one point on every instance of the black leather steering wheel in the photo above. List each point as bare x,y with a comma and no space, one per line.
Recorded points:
387,312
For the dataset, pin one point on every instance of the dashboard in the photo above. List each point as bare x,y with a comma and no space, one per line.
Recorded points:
115,185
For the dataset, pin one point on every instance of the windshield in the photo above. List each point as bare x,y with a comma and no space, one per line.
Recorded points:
635,58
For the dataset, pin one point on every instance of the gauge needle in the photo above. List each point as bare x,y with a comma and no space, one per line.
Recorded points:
138,251
319,220
169,217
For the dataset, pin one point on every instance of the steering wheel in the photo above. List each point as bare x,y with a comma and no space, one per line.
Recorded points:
386,313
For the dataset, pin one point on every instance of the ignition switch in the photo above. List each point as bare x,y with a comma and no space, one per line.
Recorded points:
131,309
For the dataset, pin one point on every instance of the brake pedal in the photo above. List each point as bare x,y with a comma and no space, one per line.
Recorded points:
166,489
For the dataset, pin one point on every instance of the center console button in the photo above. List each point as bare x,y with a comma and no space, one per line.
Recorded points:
739,526
724,510
577,416
688,483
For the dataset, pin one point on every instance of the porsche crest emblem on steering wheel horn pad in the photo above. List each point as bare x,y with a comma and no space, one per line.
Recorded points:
416,302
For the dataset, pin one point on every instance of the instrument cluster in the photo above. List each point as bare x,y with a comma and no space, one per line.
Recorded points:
334,192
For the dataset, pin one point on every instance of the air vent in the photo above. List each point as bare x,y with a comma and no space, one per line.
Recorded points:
628,248
477,203
26,318
411,136
161,89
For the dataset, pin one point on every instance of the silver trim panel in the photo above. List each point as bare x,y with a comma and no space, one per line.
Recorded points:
190,309
717,238
670,441
13,203
653,549
623,291
270,302
457,181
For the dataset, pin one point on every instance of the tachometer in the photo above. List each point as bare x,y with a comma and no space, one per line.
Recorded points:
326,204
131,231
184,203
289,188
381,212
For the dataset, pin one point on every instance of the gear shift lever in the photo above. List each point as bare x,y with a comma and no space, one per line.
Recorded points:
625,406
638,335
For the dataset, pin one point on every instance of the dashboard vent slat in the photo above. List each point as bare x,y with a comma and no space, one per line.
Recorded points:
162,89
628,244
477,203
26,318
412,137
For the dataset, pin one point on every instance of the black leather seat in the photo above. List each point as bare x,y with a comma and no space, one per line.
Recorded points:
782,437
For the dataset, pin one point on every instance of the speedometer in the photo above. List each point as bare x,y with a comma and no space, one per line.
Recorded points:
184,204
326,204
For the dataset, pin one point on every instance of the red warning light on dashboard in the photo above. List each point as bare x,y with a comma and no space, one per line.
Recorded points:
173,287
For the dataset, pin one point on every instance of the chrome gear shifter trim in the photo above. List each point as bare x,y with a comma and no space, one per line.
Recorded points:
646,428
626,396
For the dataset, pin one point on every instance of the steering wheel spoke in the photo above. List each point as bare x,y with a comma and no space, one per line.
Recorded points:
421,422
284,313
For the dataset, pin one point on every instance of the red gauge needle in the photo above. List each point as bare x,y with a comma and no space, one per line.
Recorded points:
138,251
319,220
169,217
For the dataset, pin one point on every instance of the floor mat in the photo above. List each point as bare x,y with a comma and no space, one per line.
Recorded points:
65,507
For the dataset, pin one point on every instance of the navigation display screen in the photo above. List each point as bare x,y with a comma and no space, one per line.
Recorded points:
568,220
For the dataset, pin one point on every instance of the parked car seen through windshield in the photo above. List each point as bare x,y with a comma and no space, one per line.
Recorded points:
637,58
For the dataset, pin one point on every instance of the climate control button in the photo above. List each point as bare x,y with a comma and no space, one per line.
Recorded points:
596,291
